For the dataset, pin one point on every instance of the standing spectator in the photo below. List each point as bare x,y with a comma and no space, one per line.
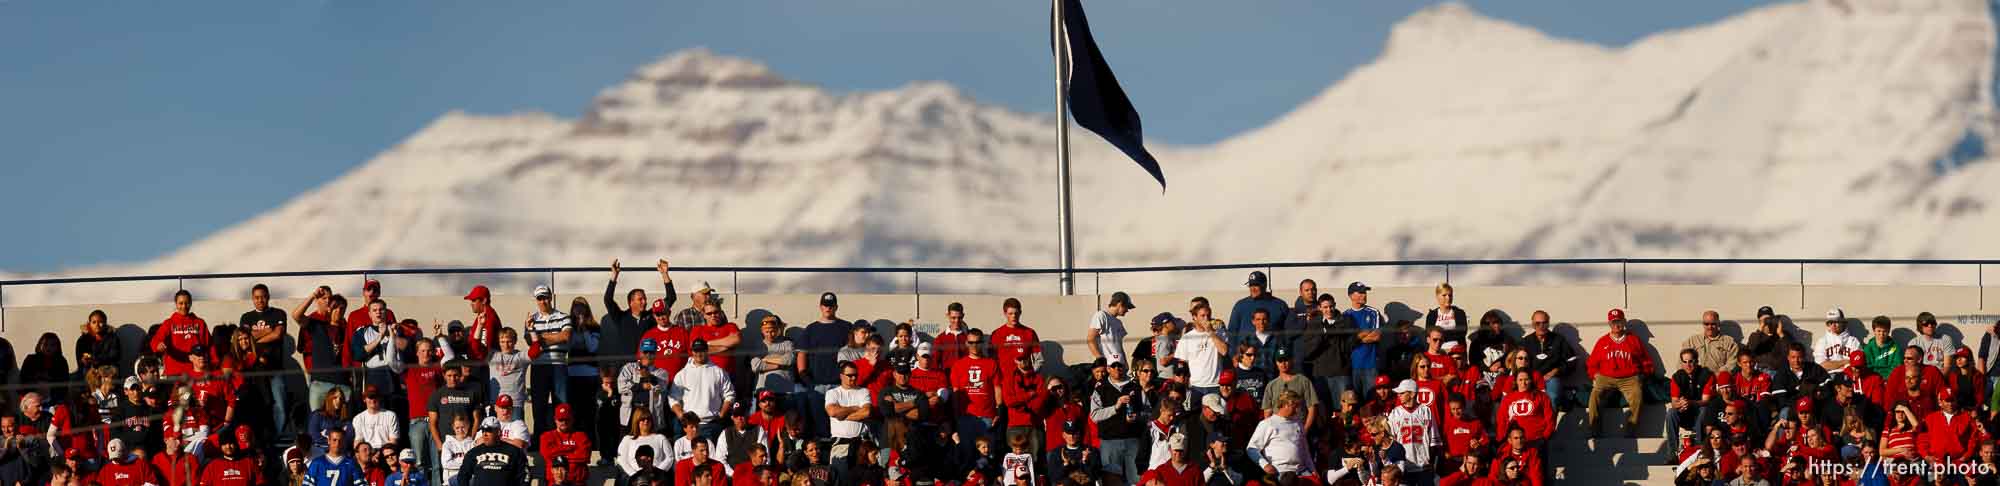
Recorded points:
1117,406
695,314
1014,339
1073,454
1416,435
1884,355
513,429
1106,334
376,346
903,408
624,327
1446,316
321,341
1937,347
267,326
847,407
1246,375
335,468
178,334
1367,324
973,388
582,374
420,383
1278,445
671,339
508,366
566,443
1202,350
1328,344
1831,349
1025,395
817,361
550,335
364,314
1259,298
1265,340
949,343
374,425
96,346
642,384
1717,350
1769,342
485,333
1618,361
1303,307
123,469
1988,355
1158,348
493,462
458,404
331,416
235,467
702,389
774,370
722,337
1289,380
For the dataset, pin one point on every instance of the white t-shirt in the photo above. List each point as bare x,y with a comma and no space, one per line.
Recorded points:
1110,336
1198,350
1279,442
846,397
701,388
1834,347
1416,430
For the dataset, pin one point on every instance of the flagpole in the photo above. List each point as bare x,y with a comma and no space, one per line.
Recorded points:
1065,239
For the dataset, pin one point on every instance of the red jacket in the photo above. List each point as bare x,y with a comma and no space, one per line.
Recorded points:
1949,437
575,446
1619,358
1530,410
1531,465
1747,387
1462,479
1896,387
1052,427
225,472
179,333
132,473
483,334
1188,475
1025,395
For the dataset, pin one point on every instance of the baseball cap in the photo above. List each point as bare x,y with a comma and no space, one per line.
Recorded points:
410,456
543,291
903,368
1256,278
454,326
1177,442
1163,318
1962,352
1451,347
1283,353
1348,396
698,346
1614,315
1381,381
1857,357
1214,403
1072,427
73,454
923,349
491,423
829,300
372,284
1804,403
505,401
198,351
704,288
1407,386
1836,315
1121,298
766,395
479,292
1227,378
1765,311
659,307
132,382
1357,287
562,411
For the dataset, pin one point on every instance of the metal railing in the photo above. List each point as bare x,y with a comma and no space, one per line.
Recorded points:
917,273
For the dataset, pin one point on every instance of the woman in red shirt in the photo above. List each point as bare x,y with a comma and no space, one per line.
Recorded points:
1899,440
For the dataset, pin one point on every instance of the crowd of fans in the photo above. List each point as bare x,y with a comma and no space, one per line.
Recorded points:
1322,390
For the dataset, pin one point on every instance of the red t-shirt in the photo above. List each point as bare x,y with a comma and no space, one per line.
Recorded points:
1430,393
419,382
1441,365
673,343
134,473
771,425
711,334
684,472
1012,341
226,472
972,384
180,333
213,393
1458,434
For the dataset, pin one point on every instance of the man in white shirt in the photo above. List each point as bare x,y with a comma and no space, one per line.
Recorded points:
702,389
846,407
1202,349
1107,332
549,342
1831,349
1415,432
1937,347
1278,444
375,425
513,430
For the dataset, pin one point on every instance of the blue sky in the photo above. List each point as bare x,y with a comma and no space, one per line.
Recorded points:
130,129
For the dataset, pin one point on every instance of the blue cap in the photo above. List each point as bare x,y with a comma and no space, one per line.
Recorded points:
649,345
1256,278
1357,288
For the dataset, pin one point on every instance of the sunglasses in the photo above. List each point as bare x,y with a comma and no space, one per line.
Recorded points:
974,342
712,313
850,375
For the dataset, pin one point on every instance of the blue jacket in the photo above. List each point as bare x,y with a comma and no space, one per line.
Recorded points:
416,479
1240,315
324,472
1364,319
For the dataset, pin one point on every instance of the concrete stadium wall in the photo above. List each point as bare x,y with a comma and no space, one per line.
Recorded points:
1663,314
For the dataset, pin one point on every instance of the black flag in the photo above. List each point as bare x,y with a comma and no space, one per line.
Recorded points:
1094,96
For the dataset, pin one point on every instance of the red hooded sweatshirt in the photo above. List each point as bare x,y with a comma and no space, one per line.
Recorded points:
1025,396
241,471
180,333
1619,358
1948,437
129,473
1529,409
1458,434
1531,465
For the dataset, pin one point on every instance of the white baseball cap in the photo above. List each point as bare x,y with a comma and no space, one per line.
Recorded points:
923,349
1836,315
542,291
1214,403
1407,386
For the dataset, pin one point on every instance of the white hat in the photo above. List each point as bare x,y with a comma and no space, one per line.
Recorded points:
1214,403
704,287
1178,441
923,349
1836,315
1448,346
1407,386
542,291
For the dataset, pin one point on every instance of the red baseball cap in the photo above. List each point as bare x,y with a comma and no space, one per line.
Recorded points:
1962,351
372,284
1227,378
562,411
1805,403
1857,356
505,401
1615,315
479,292
659,306
243,436
1381,380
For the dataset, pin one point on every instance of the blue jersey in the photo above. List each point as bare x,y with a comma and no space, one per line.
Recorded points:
416,479
326,472
1364,319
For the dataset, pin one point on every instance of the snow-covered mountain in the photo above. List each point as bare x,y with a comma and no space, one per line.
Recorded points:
1852,128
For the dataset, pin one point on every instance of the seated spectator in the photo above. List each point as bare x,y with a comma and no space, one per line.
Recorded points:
1618,362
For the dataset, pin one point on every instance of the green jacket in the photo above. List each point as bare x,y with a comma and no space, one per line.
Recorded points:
1882,358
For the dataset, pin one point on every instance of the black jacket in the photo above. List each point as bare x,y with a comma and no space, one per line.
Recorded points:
1553,355
1327,347
618,340
1769,350
1482,340
497,464
1789,386
1431,319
